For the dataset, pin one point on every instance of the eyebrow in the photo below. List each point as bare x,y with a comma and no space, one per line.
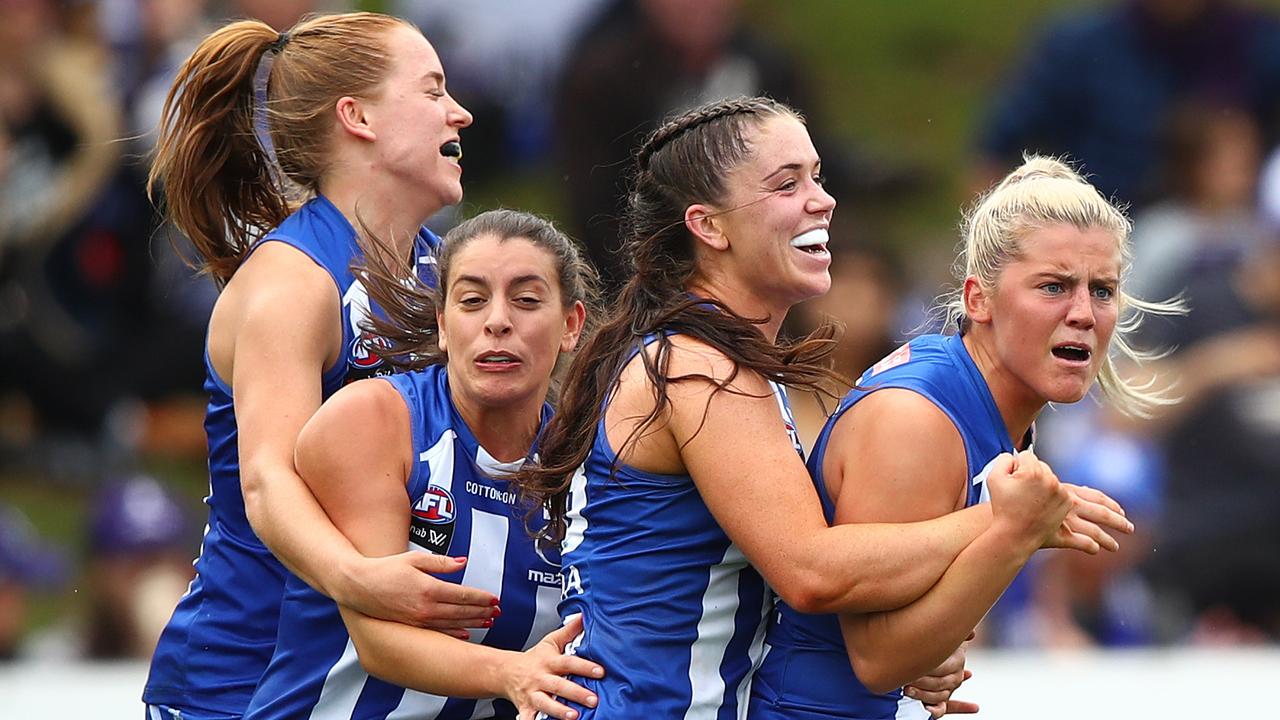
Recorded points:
1073,278
519,280
789,167
434,75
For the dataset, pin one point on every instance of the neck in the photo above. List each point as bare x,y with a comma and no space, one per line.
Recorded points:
370,203
506,432
742,302
1017,403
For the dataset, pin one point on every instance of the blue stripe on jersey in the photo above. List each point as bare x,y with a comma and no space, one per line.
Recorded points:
221,636
453,492
806,672
671,607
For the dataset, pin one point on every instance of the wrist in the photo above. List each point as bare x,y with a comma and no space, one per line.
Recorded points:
1013,541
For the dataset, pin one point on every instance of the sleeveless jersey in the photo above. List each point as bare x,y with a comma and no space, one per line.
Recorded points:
218,642
806,673
460,506
671,608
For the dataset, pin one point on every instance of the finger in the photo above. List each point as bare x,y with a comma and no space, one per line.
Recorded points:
547,706
565,634
967,674
961,707
1103,516
574,665
1077,541
928,697
1096,496
1004,464
935,683
452,615
936,711
455,594
563,689
1101,536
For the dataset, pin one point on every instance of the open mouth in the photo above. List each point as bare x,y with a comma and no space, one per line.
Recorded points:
1072,353
497,360
813,242
452,150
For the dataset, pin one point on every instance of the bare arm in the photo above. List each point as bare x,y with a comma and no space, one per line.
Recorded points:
734,446
356,455
879,474
274,333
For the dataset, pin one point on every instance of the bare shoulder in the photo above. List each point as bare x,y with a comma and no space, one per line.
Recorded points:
898,445
365,418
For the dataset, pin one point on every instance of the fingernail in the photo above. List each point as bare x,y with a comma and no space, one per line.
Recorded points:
487,623
497,612
910,692
592,701
571,714
597,672
460,559
494,602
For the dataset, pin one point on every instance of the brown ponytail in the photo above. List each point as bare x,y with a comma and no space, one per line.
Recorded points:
220,185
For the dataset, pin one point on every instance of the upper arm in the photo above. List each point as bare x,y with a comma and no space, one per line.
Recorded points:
875,470
734,445
276,329
355,456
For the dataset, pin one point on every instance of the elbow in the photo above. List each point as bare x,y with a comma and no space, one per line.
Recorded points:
372,662
811,593
876,674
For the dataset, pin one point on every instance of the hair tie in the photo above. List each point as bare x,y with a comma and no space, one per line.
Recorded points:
279,42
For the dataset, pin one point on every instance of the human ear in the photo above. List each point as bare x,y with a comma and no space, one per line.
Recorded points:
353,119
573,324
977,301
702,223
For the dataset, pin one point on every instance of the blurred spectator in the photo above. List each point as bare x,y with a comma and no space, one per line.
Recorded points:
1210,214
645,59
1219,536
73,277
1100,84
26,564
503,60
140,547
865,296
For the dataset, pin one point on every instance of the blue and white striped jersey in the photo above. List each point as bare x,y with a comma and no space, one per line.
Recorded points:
806,673
671,607
218,642
460,506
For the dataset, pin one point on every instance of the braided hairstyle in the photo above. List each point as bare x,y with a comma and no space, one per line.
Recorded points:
684,162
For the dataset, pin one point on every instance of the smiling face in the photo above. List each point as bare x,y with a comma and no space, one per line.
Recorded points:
414,117
775,216
504,322
1048,321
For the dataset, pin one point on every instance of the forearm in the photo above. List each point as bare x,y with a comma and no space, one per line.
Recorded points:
426,660
863,568
891,648
291,523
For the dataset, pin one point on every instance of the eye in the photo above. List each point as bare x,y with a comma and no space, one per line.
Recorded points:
528,301
820,179
1104,292
787,186
1053,288
470,301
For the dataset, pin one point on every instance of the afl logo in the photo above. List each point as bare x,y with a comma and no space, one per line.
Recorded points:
435,506
362,354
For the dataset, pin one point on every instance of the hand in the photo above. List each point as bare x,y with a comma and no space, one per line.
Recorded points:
934,690
1027,498
400,588
1086,528
536,678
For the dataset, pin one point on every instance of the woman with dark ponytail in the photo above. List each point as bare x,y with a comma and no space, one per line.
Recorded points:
274,148
672,473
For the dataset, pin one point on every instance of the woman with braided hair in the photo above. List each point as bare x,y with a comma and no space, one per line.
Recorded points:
672,473
362,134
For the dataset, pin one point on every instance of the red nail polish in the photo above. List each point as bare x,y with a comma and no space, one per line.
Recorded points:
494,602
497,613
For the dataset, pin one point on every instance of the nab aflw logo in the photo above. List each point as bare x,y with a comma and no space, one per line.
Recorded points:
432,520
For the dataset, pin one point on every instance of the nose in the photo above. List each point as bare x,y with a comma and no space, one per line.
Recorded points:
1080,312
821,202
498,322
459,116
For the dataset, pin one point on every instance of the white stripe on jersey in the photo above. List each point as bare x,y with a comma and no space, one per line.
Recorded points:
756,652
342,687
576,532
715,630
909,709
439,460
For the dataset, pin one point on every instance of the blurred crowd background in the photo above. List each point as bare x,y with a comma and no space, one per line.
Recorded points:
1171,106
